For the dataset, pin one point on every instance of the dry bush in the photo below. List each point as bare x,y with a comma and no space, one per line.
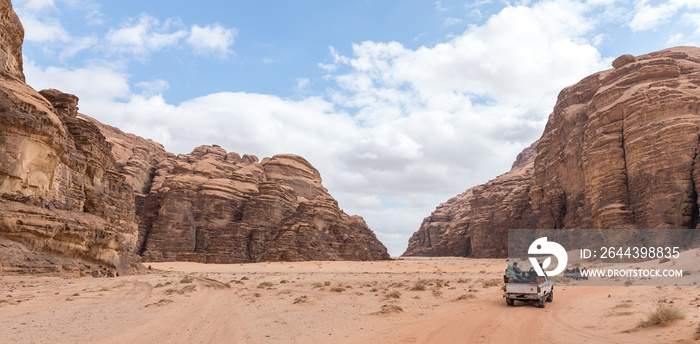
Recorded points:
161,302
420,286
437,292
394,295
491,283
187,279
301,299
265,285
386,309
662,316
338,289
188,289
466,297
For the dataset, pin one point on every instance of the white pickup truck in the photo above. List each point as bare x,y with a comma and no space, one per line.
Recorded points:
540,290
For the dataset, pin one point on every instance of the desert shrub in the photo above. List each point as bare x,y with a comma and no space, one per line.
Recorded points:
338,289
390,309
301,299
466,297
188,289
265,285
186,279
491,283
662,316
420,286
394,295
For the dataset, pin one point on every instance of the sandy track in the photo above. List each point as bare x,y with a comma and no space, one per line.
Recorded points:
322,302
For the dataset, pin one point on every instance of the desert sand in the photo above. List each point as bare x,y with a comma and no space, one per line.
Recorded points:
416,300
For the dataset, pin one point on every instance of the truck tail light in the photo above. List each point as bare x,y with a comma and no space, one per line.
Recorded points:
539,289
504,288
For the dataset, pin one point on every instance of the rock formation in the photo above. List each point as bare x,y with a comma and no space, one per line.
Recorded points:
75,192
619,151
60,192
215,206
470,223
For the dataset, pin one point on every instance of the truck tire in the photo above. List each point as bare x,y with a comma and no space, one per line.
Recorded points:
509,301
550,296
541,302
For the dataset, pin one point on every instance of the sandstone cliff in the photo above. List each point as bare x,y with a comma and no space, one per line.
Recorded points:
215,206
78,196
619,151
218,207
470,223
61,195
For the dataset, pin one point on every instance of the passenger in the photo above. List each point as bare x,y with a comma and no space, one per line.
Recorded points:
532,274
510,274
519,278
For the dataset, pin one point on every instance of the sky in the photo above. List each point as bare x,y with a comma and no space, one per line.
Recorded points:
399,104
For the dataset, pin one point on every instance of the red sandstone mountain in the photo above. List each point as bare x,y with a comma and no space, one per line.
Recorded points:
620,150
77,195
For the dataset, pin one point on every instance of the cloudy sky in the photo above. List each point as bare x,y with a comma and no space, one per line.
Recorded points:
399,104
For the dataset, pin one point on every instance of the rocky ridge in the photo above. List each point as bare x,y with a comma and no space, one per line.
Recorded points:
619,151
215,206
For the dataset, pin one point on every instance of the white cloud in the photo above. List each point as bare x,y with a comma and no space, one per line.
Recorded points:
153,87
649,17
44,30
212,39
112,85
144,36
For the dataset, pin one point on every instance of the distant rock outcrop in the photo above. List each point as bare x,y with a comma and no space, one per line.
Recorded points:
473,223
217,207
214,206
620,150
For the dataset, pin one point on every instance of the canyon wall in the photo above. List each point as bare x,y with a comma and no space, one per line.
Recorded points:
618,151
61,195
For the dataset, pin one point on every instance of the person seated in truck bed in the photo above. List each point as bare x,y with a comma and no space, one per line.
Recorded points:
519,278
510,275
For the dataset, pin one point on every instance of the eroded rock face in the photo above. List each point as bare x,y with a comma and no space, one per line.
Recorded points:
619,151
475,222
218,207
60,192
